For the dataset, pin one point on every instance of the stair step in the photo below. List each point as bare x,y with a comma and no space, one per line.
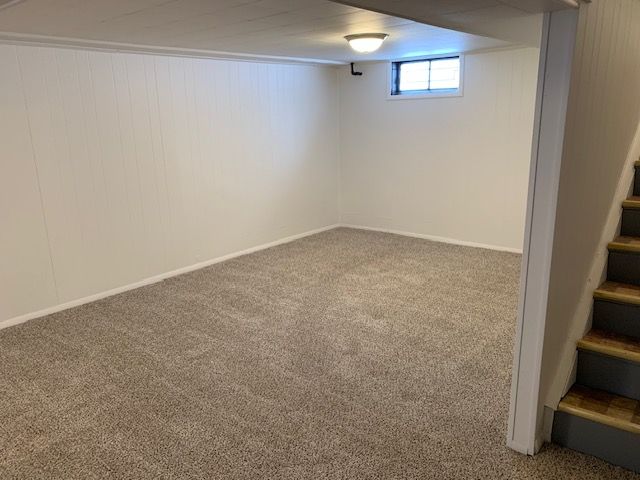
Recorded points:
632,202
623,265
601,424
616,317
618,292
602,407
630,222
611,344
625,244
608,373
610,363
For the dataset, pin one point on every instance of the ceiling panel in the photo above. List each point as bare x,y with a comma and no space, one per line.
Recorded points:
516,21
300,29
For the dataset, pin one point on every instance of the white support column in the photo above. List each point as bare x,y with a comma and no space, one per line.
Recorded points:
554,77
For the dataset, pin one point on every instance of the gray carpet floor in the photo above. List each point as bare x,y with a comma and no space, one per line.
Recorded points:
346,355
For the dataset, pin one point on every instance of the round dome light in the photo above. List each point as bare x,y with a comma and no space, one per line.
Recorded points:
366,42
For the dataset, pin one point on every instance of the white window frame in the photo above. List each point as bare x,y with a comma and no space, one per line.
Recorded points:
421,96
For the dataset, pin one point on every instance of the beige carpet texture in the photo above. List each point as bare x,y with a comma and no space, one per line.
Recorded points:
345,355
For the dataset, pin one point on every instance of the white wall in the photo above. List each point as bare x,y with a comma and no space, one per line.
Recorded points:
454,167
119,167
596,174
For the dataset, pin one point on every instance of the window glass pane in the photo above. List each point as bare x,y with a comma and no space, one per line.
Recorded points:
414,76
445,74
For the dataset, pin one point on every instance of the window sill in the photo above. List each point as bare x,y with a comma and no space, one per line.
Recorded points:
421,96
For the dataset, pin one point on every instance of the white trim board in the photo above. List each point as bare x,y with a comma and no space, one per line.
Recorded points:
157,278
105,46
434,238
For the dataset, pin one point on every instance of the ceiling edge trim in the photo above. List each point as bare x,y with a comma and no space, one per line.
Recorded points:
106,46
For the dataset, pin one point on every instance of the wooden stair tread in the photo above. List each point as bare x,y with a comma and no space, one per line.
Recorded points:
602,407
618,292
625,244
611,344
631,202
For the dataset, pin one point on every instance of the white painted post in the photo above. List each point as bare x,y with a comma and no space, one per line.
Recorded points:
554,78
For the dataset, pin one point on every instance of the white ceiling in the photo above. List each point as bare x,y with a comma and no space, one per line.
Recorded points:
297,29
510,20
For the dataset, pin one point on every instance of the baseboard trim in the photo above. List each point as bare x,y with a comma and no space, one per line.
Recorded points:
163,276
155,279
434,238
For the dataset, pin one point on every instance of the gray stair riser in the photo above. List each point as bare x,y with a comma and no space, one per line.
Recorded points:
610,374
624,267
636,182
620,318
610,444
630,222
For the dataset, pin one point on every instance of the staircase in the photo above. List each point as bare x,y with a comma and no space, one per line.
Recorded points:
600,415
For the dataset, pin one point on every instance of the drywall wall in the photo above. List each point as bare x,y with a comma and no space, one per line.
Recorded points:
120,167
453,167
602,119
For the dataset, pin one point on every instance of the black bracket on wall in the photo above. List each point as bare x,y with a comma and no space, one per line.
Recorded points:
353,72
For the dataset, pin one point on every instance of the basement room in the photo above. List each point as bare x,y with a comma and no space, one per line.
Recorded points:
278,239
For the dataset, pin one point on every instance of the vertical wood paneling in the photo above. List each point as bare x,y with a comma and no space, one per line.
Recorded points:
136,165
26,275
453,167
602,120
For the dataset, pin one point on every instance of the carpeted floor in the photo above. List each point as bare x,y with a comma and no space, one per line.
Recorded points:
349,354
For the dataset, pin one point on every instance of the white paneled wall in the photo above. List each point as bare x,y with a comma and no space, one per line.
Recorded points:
454,168
119,167
602,141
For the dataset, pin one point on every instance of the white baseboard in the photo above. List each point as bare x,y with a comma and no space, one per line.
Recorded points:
158,278
155,279
434,238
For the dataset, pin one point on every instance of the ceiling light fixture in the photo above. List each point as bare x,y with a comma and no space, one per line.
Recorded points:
366,42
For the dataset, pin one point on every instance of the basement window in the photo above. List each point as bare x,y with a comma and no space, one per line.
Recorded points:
427,77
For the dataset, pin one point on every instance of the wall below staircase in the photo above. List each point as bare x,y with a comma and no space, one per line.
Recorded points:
602,140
